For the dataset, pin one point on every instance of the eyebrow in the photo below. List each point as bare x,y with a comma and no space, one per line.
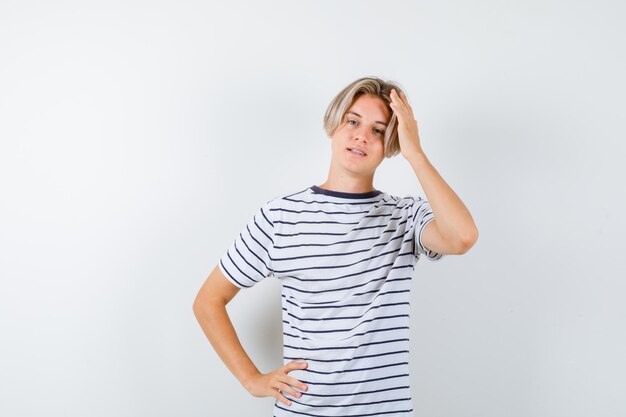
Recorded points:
358,115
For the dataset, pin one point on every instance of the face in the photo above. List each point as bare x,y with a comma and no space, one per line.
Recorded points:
362,128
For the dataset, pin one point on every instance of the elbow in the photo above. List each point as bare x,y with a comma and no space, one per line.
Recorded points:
196,306
202,304
199,304
201,310
468,240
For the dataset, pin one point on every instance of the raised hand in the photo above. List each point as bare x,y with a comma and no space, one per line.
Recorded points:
408,135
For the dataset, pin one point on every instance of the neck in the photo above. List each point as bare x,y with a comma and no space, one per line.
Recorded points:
348,182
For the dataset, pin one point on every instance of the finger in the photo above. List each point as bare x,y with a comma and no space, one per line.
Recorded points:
291,380
408,105
291,366
395,98
294,365
403,97
399,102
285,388
397,110
405,102
399,96
295,383
280,397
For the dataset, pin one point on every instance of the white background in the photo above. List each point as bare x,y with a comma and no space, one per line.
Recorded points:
138,138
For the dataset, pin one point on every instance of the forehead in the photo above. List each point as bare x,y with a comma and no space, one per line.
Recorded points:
371,108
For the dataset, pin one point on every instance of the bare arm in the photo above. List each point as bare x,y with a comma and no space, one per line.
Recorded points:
453,230
210,310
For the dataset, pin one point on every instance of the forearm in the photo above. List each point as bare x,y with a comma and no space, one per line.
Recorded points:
218,328
454,220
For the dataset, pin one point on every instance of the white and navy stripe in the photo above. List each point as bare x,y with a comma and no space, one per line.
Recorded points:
346,262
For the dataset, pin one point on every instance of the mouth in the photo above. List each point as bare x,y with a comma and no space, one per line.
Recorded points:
356,152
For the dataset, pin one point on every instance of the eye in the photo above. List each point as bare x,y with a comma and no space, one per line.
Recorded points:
380,132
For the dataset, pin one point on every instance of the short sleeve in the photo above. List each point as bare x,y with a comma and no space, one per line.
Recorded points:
247,261
422,214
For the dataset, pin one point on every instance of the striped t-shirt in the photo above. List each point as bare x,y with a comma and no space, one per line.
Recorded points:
346,262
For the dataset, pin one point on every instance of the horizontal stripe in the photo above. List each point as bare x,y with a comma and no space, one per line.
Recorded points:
353,382
393,388
356,334
346,317
321,255
327,305
354,358
343,371
352,394
347,347
348,329
343,415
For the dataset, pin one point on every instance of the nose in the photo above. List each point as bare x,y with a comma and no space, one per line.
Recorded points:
362,134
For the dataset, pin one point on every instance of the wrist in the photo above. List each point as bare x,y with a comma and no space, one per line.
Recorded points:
247,380
415,155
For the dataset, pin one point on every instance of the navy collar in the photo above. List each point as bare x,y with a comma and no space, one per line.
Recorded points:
341,194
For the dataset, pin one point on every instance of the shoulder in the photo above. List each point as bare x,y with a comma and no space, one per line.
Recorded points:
285,198
405,201
284,201
414,200
304,191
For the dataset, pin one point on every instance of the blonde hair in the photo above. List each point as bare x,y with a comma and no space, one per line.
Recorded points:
344,99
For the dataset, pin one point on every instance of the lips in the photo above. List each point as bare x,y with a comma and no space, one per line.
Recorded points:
357,149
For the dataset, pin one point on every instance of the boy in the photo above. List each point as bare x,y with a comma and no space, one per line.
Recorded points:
345,254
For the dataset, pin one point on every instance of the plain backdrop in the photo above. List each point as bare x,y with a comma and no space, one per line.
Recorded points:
139,137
